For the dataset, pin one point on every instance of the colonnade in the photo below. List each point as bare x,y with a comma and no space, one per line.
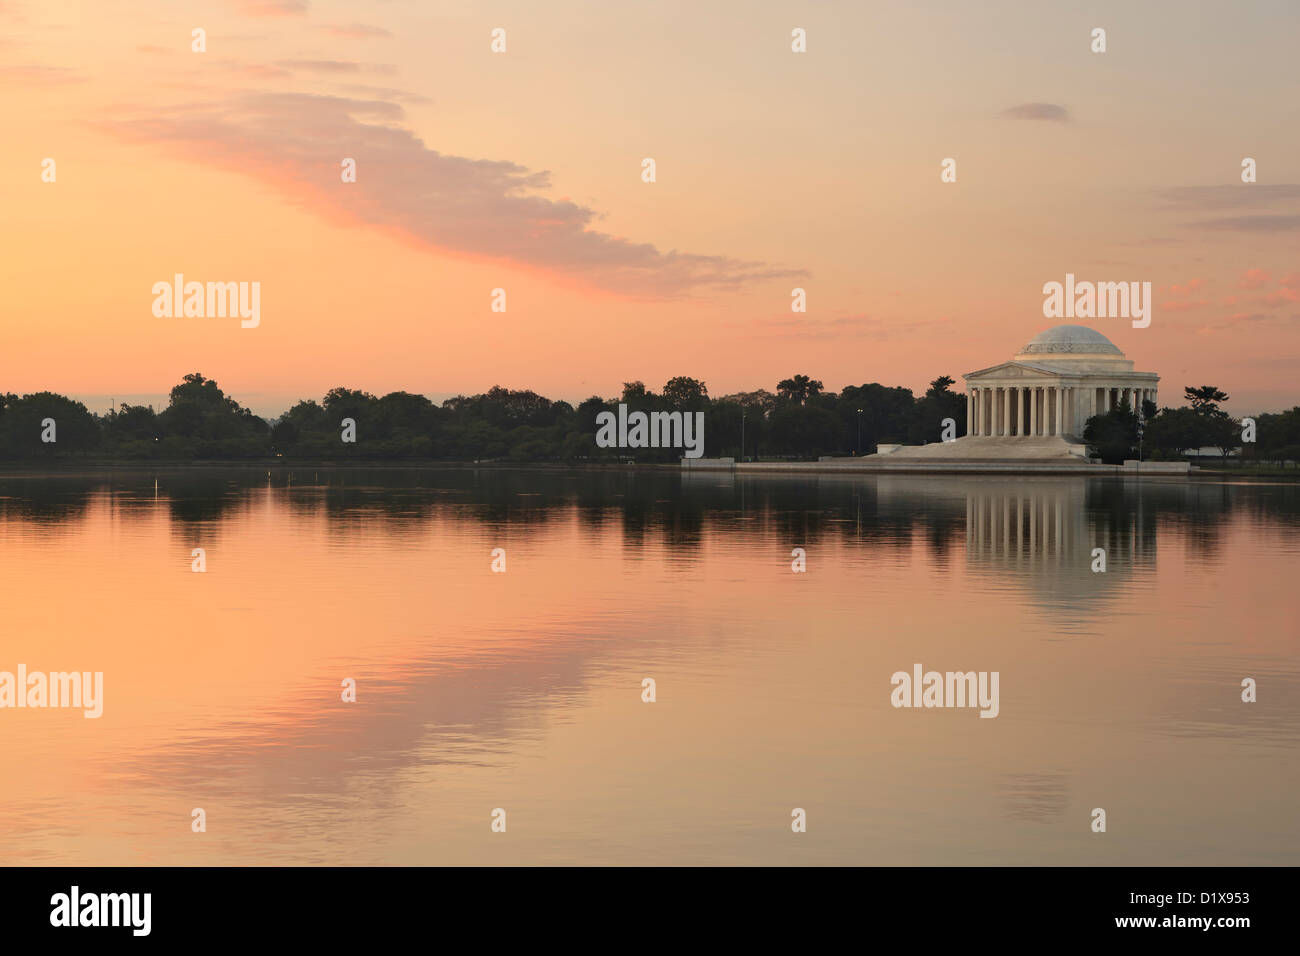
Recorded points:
1044,410
1031,524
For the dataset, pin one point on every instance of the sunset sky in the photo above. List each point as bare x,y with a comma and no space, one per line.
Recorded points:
522,170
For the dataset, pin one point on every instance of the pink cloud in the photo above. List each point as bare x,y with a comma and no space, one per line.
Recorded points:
356,31
271,8
471,207
1191,286
1187,306
1282,296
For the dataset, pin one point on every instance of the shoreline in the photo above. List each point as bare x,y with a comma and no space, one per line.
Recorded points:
710,467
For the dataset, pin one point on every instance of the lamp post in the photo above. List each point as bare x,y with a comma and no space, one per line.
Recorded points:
742,434
1141,429
859,429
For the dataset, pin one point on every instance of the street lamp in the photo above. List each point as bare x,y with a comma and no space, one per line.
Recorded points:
742,434
859,429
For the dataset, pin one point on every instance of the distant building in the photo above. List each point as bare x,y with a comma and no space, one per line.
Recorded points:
1053,386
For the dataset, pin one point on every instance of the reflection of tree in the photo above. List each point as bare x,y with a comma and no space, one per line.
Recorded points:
38,500
664,507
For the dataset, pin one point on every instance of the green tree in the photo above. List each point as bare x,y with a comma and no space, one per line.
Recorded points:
1113,437
798,389
1174,431
1205,399
23,422
686,393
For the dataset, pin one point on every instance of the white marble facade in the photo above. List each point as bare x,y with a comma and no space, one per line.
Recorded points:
1053,386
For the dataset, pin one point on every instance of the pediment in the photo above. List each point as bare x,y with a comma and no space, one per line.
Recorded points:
1013,371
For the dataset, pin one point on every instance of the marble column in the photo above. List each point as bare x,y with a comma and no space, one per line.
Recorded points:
1033,411
1006,410
968,421
1060,411
1021,394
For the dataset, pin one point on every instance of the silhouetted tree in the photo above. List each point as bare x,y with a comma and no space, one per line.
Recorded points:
798,389
1113,436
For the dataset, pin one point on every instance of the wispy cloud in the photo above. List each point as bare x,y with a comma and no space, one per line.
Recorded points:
1266,209
356,31
1249,224
1237,196
385,93
271,8
31,75
1038,111
863,326
336,66
471,207
1187,288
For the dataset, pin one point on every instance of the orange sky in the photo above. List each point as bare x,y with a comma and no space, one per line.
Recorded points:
521,171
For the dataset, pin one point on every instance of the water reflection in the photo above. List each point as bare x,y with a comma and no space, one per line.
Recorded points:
478,690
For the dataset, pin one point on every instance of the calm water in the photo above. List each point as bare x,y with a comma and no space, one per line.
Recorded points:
522,690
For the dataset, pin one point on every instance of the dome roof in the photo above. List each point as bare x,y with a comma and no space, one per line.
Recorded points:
1070,339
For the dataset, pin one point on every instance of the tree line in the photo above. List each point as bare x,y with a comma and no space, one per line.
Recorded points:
800,419
1171,433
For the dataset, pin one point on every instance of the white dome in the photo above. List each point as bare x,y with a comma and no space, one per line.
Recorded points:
1070,339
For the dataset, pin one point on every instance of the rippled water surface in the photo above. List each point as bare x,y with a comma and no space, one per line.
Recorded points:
523,690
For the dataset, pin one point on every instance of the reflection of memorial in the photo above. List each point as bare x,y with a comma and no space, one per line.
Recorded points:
1053,523
1039,533
1025,523
1042,535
